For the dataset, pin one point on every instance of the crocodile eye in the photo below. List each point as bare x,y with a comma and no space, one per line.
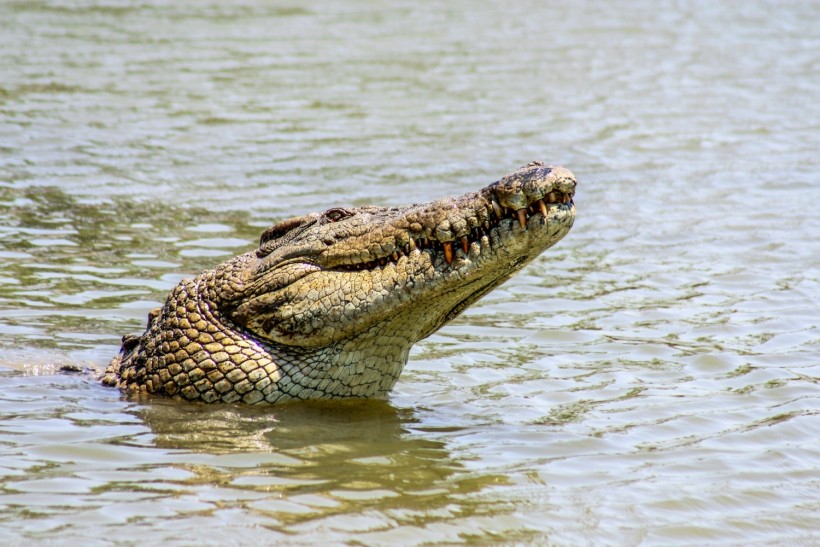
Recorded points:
337,214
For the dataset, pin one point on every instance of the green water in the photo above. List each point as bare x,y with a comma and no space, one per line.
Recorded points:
652,380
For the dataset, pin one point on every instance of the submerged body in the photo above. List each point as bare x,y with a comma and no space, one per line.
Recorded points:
330,303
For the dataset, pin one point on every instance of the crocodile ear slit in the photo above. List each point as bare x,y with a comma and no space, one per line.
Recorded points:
268,242
281,228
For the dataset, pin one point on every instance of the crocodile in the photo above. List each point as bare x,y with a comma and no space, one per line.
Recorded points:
329,304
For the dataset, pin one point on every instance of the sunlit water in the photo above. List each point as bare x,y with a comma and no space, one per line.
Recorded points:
653,379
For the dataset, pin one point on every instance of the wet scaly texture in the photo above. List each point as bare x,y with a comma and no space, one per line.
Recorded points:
330,303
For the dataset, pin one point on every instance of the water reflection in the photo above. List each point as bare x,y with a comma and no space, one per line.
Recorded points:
89,456
321,460
218,429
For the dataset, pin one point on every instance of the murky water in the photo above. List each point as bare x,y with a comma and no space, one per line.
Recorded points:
654,379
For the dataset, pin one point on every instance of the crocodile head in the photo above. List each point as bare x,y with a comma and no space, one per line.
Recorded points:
330,303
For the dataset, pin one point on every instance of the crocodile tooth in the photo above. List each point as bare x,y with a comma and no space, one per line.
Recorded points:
552,197
522,217
395,256
465,244
566,198
497,210
412,245
448,251
542,207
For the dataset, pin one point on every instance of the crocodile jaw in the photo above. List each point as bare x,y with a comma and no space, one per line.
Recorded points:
405,270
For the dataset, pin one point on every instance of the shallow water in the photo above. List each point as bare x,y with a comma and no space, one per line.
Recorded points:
653,379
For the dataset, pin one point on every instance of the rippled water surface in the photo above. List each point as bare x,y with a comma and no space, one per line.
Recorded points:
653,379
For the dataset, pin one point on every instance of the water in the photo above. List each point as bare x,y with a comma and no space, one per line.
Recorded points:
654,379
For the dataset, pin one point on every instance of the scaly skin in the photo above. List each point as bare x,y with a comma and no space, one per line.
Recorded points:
330,303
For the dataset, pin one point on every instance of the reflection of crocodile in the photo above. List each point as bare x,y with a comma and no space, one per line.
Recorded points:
330,303
348,454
